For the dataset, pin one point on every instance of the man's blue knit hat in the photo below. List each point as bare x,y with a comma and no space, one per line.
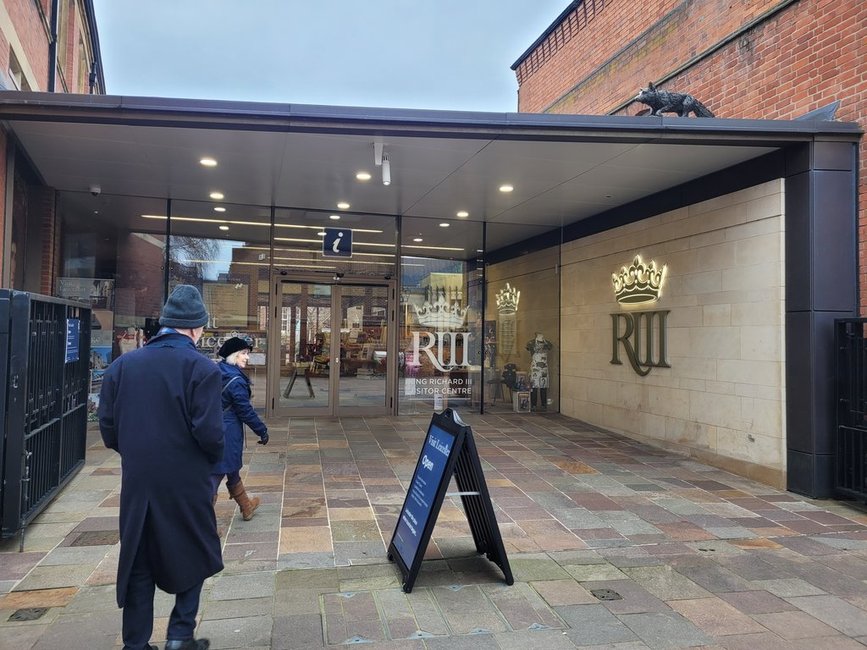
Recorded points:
184,308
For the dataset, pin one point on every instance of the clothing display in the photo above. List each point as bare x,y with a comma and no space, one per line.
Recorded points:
538,348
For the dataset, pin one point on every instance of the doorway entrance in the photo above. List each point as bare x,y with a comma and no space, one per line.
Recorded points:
333,342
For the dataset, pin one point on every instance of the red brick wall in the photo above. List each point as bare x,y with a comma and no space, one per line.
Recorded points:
808,54
43,207
32,33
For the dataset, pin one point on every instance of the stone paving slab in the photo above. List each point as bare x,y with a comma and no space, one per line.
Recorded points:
697,556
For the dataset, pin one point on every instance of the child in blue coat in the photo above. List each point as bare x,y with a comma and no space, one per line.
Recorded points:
237,411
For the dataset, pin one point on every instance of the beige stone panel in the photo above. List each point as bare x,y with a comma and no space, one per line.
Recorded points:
775,186
678,342
761,392
668,402
717,410
766,206
691,434
762,450
721,387
694,368
704,282
716,315
715,342
587,411
763,416
747,278
707,239
693,384
685,317
757,313
716,257
747,371
761,343
653,426
758,250
755,228
622,419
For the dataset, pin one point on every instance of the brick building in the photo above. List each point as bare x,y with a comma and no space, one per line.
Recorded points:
49,46
755,59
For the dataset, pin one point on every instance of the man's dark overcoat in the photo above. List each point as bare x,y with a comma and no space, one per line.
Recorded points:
159,407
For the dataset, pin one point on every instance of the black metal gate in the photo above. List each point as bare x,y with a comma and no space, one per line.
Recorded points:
44,382
851,461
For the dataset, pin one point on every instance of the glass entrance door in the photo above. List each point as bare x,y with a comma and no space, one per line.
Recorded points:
332,357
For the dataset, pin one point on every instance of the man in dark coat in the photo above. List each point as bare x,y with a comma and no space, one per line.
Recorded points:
160,410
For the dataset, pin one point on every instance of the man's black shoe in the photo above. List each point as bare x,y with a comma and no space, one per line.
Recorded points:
188,644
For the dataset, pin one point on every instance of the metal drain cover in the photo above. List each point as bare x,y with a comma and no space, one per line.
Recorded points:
606,594
28,614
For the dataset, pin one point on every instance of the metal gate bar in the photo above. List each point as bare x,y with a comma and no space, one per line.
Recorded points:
851,395
44,402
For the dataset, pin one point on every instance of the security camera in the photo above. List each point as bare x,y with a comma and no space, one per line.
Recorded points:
387,276
337,276
95,190
284,272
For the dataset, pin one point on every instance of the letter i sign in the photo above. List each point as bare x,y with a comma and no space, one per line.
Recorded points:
337,242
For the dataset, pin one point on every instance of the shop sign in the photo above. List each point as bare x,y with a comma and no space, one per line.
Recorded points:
642,334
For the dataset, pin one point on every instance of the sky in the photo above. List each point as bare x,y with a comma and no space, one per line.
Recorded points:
438,54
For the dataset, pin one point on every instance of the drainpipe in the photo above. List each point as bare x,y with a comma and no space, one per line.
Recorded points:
52,46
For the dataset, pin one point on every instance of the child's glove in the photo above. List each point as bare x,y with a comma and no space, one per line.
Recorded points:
263,439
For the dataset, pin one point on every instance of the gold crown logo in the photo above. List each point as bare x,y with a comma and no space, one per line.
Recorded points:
507,300
639,283
441,315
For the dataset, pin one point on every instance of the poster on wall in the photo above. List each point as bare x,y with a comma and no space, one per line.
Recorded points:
97,292
227,303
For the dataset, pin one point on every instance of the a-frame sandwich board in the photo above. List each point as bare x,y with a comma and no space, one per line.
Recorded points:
448,450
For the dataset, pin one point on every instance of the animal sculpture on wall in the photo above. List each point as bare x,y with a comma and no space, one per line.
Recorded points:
666,101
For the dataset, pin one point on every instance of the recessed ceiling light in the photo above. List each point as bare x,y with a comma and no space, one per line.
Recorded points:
334,217
418,239
362,176
217,196
343,205
219,208
321,233
463,214
224,227
444,224
506,188
208,162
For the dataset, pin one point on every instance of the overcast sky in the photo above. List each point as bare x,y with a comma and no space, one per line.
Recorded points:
438,54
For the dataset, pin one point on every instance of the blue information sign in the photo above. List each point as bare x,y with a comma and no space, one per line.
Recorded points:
422,493
337,242
73,335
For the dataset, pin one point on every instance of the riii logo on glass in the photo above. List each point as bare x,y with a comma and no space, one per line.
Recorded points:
644,335
451,348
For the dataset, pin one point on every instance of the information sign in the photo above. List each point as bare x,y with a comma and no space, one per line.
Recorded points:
422,492
448,450
73,336
337,242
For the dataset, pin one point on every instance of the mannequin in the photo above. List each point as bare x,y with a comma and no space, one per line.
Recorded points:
538,348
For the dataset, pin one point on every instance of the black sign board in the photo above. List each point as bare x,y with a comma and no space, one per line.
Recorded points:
73,335
337,242
448,450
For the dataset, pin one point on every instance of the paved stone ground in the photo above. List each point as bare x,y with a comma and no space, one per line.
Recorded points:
691,556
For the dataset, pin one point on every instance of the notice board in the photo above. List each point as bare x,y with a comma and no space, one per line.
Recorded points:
448,450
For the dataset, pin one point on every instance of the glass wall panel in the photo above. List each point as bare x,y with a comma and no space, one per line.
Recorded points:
112,258
225,255
522,325
440,315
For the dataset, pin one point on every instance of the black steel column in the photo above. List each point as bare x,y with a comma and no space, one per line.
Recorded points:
821,226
